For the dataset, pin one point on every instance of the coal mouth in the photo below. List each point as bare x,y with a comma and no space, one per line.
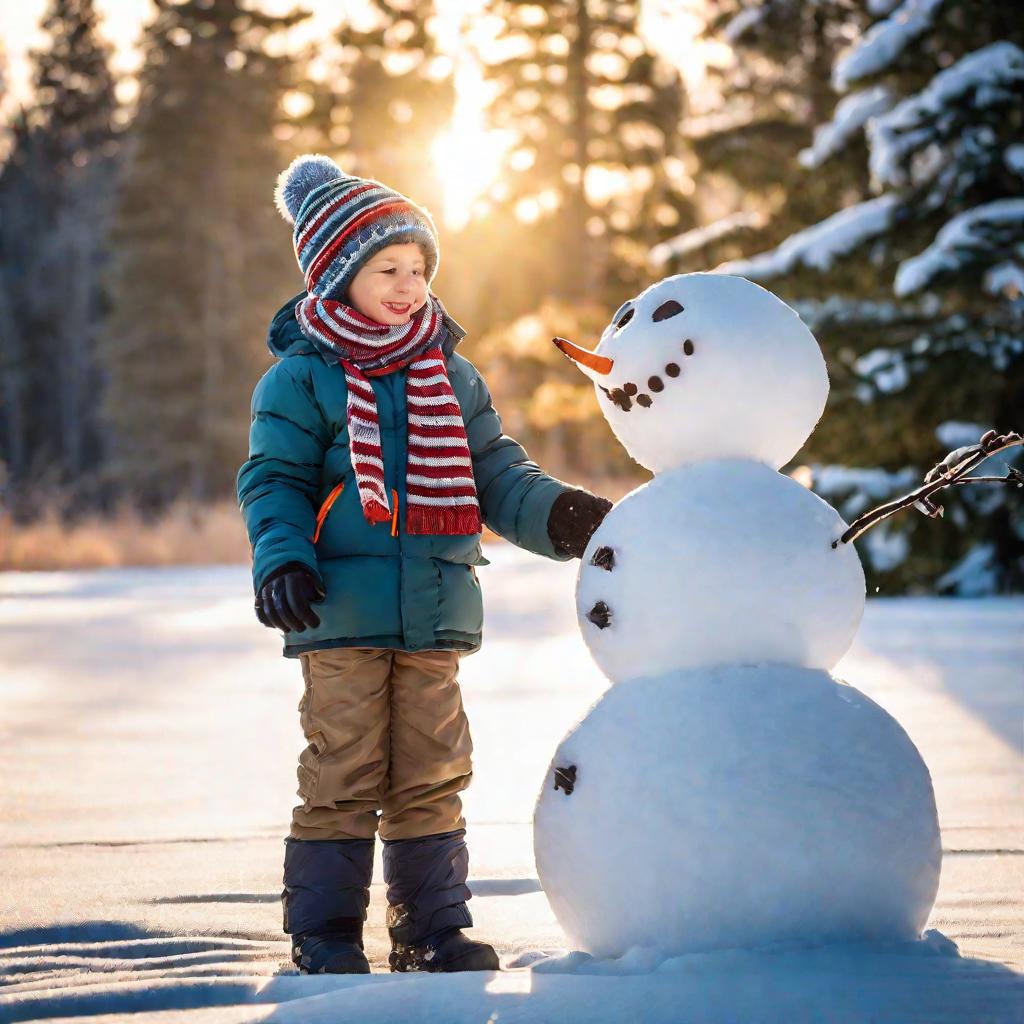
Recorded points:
629,393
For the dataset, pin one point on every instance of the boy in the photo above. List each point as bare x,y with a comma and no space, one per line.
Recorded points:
374,455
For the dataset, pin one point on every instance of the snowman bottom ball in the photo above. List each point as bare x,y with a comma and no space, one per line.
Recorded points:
737,806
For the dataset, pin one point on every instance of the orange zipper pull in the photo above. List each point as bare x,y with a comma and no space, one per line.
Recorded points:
394,513
325,508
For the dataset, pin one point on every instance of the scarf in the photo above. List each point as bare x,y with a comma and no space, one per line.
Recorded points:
441,493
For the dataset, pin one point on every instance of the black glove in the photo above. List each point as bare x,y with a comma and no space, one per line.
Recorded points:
284,601
574,516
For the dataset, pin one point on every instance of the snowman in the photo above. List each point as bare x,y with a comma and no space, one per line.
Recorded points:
726,791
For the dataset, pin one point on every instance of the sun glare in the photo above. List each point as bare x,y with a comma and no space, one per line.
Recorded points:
468,159
467,154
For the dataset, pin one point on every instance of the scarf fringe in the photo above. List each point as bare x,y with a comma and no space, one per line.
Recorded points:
374,511
454,521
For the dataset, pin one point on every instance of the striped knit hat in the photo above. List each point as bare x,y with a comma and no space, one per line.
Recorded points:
342,221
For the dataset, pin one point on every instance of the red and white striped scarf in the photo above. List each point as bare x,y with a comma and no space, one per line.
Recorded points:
440,491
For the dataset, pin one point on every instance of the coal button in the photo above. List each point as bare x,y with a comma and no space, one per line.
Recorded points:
566,778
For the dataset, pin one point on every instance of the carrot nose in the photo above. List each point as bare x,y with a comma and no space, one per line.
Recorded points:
590,363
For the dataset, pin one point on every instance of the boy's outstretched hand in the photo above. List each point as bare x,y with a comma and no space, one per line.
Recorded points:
285,600
574,516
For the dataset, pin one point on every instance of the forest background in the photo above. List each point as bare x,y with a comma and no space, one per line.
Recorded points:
862,158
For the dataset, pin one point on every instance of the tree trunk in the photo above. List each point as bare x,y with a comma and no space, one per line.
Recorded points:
75,332
12,374
582,269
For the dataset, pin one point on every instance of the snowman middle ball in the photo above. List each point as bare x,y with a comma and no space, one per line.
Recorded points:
722,562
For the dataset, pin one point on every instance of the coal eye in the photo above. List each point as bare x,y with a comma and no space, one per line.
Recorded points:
624,319
667,309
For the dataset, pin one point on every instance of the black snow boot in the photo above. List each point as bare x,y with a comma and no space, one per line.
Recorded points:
448,951
338,950
427,893
326,892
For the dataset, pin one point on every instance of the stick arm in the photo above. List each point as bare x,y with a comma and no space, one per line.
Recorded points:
950,471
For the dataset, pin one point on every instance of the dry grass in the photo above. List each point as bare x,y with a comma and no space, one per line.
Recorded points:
185,535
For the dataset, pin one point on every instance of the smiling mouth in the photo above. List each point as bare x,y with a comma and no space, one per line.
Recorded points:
398,307
625,396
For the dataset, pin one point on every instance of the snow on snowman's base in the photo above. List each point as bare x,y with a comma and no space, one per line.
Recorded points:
645,960
738,806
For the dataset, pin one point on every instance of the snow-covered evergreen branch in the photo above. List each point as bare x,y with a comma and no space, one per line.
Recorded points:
885,41
988,234
852,113
967,95
820,245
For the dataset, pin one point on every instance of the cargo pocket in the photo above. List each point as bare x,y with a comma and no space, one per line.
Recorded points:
309,768
307,692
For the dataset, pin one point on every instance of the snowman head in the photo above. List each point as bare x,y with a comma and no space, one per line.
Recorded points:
706,366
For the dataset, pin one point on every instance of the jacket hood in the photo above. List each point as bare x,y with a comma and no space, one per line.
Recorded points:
285,337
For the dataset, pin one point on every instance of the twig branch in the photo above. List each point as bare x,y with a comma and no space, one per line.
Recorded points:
1014,476
953,469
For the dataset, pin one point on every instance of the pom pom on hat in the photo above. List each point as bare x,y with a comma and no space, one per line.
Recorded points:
299,178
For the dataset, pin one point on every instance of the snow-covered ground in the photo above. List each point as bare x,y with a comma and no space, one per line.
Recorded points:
148,736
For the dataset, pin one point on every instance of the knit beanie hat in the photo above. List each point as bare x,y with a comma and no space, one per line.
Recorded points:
342,221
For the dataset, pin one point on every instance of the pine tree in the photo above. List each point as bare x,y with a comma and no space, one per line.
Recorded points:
4,90
595,119
22,436
759,117
55,195
74,86
202,259
929,344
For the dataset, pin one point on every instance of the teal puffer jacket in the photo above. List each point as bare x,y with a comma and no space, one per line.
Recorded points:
385,588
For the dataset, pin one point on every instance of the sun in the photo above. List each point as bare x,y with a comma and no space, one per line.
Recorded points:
467,154
468,158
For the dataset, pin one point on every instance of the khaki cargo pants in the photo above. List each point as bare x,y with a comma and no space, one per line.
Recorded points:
387,733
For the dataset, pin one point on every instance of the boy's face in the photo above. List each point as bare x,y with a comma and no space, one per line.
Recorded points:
391,286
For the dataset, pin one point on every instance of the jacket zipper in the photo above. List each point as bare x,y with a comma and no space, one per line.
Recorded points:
331,498
325,508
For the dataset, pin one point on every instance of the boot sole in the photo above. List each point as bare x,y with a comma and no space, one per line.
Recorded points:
475,961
